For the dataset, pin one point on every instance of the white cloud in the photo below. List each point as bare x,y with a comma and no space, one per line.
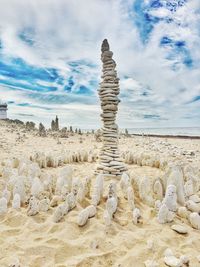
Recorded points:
69,30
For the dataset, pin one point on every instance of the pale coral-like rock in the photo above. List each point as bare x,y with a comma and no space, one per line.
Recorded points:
87,186
44,204
58,214
33,207
195,198
165,215
92,210
3,205
189,190
179,229
136,215
192,206
194,219
56,200
158,189
184,260
112,190
174,176
16,203
107,218
172,261
96,196
130,197
99,183
170,199
37,187
183,212
83,217
157,205
125,183
6,193
111,206
75,186
71,200
19,189
145,191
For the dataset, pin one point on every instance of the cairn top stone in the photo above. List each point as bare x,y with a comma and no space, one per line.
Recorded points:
105,46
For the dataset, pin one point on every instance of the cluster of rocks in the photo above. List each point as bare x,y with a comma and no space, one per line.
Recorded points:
55,124
110,162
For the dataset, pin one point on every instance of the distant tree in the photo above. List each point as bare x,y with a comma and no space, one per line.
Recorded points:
71,129
76,130
79,131
57,124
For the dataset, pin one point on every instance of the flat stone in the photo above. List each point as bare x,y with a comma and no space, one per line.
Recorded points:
179,229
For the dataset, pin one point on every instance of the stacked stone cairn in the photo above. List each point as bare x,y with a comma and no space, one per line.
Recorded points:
109,159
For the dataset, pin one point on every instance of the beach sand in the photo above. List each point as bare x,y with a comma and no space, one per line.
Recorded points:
39,242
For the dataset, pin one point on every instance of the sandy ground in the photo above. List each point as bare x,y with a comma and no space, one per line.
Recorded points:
39,242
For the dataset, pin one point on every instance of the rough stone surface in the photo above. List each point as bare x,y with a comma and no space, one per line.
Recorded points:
179,229
109,160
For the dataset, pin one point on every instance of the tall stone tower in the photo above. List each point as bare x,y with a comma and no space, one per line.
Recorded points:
109,157
3,110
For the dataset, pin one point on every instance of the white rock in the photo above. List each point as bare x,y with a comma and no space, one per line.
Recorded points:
136,215
184,259
112,190
175,177
168,252
33,207
194,219
183,212
145,191
3,205
44,204
96,197
19,189
107,218
6,193
189,190
172,261
192,206
83,217
158,189
92,210
55,201
195,198
179,229
125,183
165,215
75,186
71,201
58,214
170,199
37,187
16,203
99,183
158,204
130,197
111,206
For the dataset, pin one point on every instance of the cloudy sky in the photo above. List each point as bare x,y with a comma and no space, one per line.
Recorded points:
50,60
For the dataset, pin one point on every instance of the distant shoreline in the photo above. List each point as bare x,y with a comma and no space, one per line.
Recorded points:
168,136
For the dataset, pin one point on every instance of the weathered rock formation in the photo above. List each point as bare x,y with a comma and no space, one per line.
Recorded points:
110,162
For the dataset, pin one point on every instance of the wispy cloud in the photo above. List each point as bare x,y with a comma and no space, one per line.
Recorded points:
50,60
